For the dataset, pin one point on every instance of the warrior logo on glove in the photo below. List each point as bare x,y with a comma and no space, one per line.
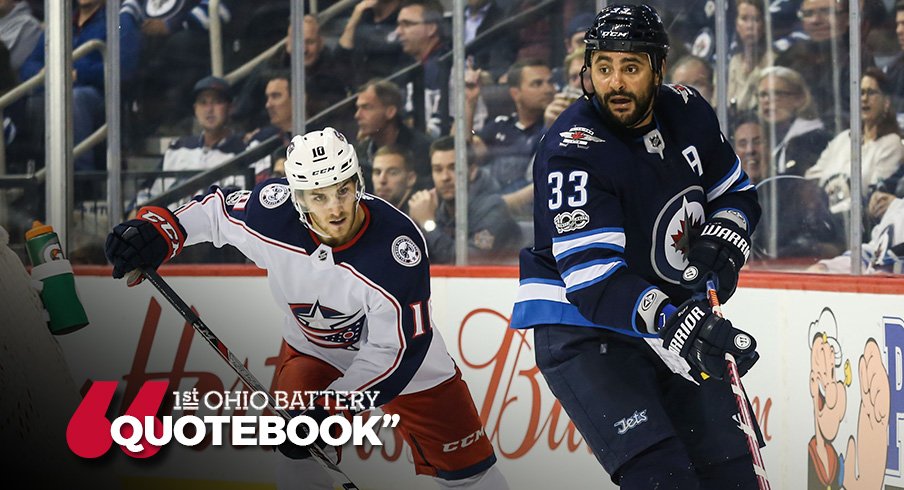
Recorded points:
703,338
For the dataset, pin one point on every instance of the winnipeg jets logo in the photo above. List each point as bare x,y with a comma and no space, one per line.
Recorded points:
687,226
326,327
678,224
628,423
578,136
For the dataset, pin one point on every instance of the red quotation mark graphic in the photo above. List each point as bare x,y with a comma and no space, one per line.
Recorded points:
88,433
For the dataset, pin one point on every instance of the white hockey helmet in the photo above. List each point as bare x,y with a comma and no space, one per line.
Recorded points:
320,159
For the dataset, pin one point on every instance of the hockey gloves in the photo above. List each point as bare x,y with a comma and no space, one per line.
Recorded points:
703,338
721,250
152,238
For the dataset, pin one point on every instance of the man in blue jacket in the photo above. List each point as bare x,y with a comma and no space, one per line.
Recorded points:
89,22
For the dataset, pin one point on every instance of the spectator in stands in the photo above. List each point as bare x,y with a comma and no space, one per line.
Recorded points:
420,31
324,81
696,72
574,33
379,118
882,195
177,53
493,236
884,253
278,94
216,144
571,91
573,41
881,153
19,30
87,73
393,176
510,140
754,53
786,107
370,42
749,141
826,24
495,53
895,69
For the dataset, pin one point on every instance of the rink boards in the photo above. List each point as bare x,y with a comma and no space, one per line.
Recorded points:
135,335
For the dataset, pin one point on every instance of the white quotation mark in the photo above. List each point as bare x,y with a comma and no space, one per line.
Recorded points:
391,420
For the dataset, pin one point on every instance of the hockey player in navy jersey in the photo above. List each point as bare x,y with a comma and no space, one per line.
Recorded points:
352,276
638,199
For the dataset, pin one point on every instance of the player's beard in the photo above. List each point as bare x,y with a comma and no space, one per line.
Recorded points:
641,107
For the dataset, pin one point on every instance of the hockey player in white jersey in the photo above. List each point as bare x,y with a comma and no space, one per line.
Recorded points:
352,275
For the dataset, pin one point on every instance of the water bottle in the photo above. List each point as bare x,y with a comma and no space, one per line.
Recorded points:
50,266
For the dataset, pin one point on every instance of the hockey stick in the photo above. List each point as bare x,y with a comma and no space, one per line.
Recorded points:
244,374
734,378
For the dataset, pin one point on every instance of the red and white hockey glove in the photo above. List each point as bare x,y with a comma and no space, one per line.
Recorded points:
153,238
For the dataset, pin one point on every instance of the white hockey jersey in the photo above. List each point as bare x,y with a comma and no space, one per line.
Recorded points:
362,307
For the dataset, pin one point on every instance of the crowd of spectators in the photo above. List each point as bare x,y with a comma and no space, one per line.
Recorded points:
380,72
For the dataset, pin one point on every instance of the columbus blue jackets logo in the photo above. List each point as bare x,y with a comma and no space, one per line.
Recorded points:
326,327
678,223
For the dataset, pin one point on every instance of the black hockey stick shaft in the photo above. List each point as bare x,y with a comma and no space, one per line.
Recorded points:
734,378
244,374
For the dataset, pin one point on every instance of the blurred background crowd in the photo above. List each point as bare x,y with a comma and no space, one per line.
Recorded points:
380,71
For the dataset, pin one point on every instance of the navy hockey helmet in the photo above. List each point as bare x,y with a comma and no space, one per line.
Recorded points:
630,28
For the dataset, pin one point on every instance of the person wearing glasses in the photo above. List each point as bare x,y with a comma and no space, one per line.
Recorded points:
881,151
825,22
786,108
420,31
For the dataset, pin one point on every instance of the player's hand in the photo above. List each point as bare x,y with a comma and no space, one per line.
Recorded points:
703,338
152,238
721,250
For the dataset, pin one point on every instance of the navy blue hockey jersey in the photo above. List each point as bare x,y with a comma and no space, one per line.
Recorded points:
615,212
363,307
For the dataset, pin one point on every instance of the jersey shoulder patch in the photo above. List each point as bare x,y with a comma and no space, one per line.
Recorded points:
579,136
405,251
274,194
238,199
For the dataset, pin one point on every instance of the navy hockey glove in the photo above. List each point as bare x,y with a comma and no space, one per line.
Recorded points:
721,250
152,238
703,338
